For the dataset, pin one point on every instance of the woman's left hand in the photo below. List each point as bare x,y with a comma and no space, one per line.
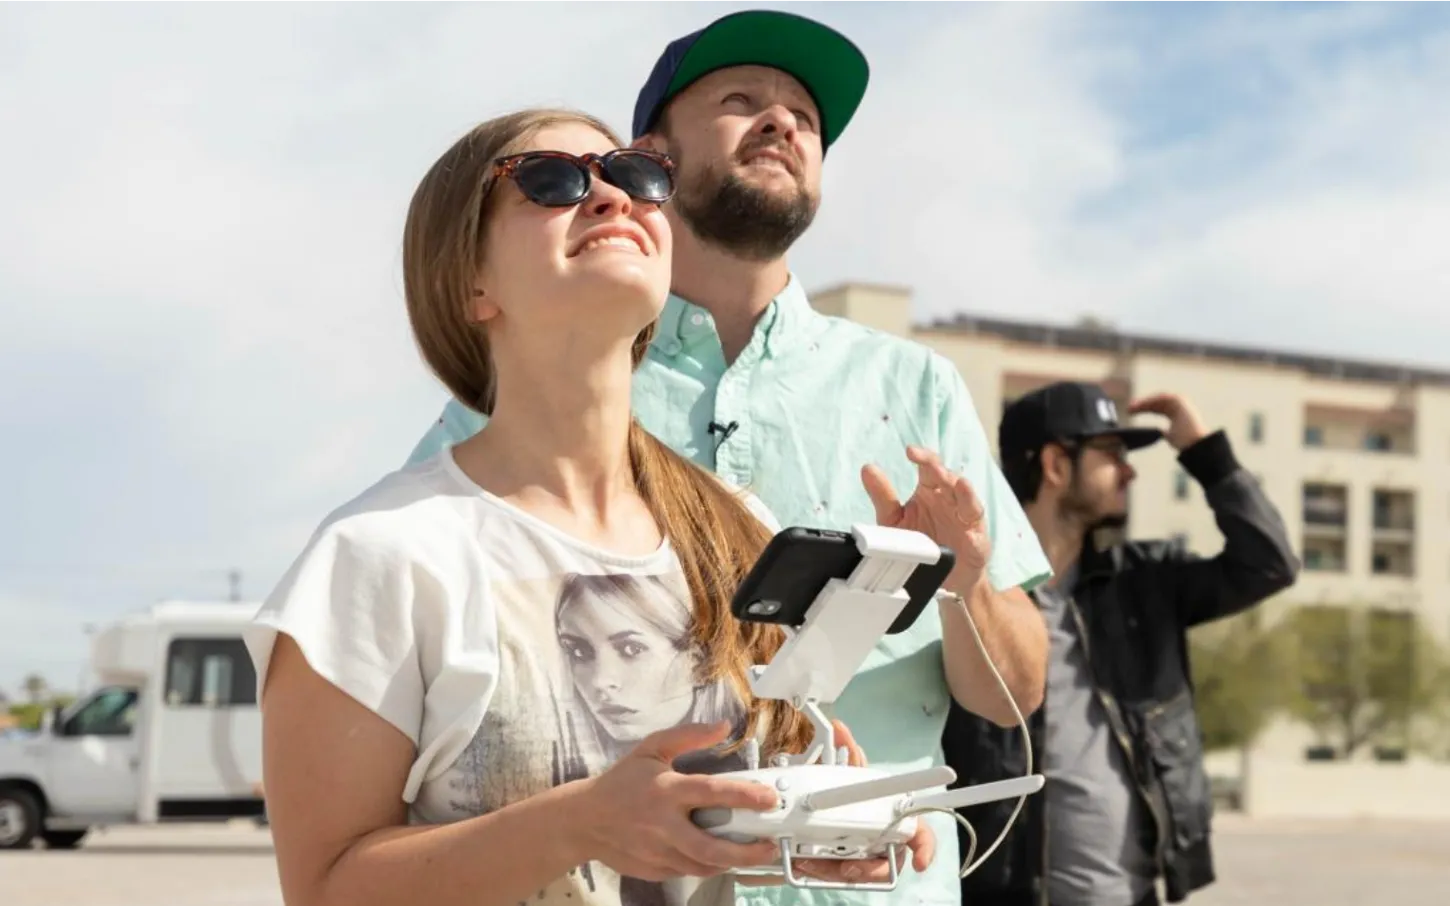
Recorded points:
856,871
944,508
856,756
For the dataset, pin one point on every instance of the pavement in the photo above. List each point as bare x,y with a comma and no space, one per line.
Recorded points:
1260,862
1329,863
173,865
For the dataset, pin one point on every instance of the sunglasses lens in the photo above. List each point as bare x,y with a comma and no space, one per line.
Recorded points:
551,181
641,176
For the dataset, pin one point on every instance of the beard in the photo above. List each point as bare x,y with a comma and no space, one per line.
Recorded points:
747,221
1080,507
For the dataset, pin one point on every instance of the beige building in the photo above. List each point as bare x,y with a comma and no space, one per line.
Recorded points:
1356,455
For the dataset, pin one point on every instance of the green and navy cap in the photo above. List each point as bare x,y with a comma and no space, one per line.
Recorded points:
823,60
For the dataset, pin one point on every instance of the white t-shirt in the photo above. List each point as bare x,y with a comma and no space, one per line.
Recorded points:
514,656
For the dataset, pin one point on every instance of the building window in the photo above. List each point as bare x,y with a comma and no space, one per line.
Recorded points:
1326,504
209,673
1313,436
1180,485
1378,442
1256,428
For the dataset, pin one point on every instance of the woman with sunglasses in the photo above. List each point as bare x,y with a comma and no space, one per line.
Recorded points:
427,715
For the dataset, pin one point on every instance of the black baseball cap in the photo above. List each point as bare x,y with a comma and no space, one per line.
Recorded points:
823,60
1065,411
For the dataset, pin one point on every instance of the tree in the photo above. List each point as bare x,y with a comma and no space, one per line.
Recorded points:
1365,676
35,687
1095,322
27,716
1240,676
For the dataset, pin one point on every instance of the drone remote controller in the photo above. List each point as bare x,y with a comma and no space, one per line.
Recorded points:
838,811
827,808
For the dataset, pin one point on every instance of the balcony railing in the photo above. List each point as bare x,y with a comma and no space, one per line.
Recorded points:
1394,522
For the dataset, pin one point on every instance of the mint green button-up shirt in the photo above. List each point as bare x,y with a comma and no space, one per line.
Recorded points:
813,399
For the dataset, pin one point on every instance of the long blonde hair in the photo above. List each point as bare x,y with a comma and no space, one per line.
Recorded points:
714,534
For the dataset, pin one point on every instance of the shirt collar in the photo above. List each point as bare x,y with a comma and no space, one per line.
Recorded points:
785,320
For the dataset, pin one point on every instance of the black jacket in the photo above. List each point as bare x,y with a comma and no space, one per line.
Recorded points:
1135,601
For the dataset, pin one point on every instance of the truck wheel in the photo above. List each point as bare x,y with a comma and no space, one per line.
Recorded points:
64,839
19,818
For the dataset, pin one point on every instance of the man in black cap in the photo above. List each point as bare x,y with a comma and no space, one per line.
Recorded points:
1127,799
746,379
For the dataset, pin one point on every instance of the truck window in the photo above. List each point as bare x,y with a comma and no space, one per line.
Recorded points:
209,673
111,712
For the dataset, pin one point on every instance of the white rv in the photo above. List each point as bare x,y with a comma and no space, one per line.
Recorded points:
171,732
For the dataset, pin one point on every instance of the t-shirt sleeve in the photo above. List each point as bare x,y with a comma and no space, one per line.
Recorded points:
350,603
394,612
1017,556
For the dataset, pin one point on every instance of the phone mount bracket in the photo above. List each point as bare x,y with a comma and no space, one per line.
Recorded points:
843,624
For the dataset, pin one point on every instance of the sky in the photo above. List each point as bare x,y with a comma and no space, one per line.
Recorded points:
203,346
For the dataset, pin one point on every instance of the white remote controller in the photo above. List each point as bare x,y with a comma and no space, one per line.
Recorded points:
816,830
829,809
837,811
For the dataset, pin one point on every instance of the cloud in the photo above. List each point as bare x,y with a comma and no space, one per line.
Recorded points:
966,160
1024,163
203,334
1331,235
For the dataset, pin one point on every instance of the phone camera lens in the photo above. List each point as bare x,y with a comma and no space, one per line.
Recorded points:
763,608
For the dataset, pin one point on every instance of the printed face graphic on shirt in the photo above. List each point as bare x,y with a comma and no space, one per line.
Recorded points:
589,666
628,654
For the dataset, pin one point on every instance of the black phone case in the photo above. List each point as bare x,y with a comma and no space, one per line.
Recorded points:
797,564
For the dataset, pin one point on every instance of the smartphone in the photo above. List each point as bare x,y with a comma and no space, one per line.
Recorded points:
797,564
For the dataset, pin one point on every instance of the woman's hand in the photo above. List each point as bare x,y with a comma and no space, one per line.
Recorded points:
922,845
636,815
855,755
944,508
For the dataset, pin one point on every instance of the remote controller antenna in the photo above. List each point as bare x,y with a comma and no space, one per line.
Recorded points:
866,790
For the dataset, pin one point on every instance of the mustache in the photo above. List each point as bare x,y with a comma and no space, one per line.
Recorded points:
793,161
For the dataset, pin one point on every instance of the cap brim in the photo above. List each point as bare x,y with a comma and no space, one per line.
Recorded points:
824,61
1132,438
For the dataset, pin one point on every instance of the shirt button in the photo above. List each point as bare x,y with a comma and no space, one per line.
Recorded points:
671,347
697,319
